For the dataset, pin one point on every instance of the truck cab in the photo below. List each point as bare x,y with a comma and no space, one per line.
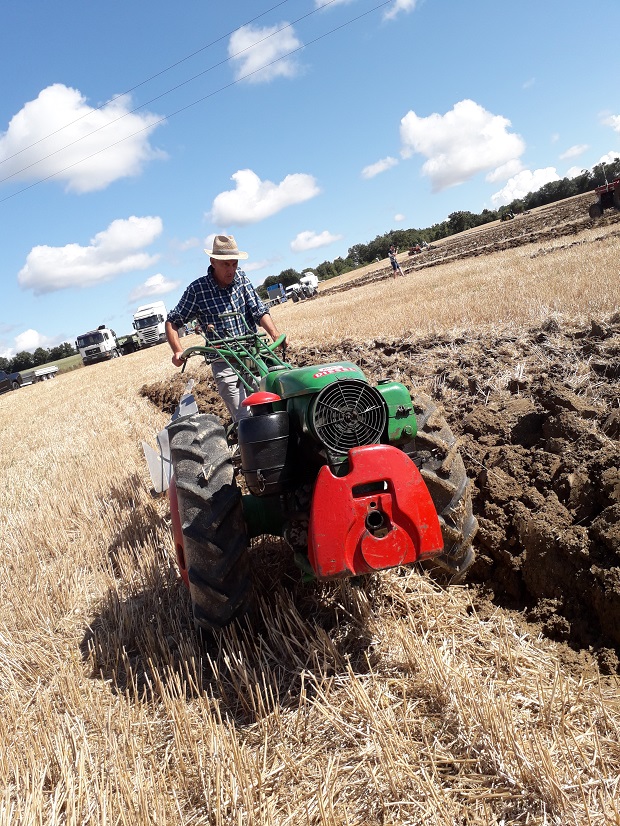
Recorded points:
149,322
98,345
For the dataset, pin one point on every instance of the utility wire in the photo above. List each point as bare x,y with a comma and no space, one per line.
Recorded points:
200,100
152,100
137,86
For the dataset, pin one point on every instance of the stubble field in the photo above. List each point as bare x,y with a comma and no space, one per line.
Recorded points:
391,701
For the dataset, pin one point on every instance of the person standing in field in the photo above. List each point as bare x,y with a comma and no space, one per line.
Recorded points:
223,289
396,268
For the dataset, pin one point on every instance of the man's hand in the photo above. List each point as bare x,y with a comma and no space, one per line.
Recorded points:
177,359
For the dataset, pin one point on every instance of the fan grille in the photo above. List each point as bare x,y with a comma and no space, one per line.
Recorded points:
348,414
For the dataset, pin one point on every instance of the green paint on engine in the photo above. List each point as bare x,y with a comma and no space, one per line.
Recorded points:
402,425
303,380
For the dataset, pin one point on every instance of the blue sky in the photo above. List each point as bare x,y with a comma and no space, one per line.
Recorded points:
131,133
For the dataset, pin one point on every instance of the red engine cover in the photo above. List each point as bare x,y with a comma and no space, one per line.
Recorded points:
377,516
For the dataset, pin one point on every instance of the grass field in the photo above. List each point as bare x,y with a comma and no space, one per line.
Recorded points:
391,703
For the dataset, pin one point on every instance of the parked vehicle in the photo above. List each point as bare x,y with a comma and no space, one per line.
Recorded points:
608,198
294,292
98,345
128,344
9,381
40,374
276,294
309,283
306,287
149,322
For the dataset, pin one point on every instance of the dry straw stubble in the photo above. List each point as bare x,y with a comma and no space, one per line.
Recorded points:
393,702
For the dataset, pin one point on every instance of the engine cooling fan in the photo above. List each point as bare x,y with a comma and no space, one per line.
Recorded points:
348,414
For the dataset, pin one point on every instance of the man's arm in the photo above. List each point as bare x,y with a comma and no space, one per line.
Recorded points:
266,322
172,336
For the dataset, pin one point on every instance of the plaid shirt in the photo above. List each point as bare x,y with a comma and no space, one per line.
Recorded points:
204,300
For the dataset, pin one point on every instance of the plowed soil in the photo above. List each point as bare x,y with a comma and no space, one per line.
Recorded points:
538,417
562,220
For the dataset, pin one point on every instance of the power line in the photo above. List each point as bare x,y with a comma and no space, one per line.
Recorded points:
152,100
200,100
137,86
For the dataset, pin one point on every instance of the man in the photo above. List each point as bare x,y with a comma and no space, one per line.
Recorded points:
223,289
396,268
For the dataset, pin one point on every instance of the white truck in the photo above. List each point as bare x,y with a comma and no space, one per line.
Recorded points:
306,287
310,283
149,322
98,345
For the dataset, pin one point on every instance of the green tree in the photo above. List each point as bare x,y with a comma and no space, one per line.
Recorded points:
288,277
22,361
41,356
460,221
61,351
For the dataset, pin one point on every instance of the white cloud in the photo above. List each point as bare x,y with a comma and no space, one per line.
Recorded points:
310,240
505,171
398,217
613,121
380,166
208,242
319,4
183,246
610,157
29,341
555,137
252,50
574,151
256,265
531,81
463,142
574,171
155,285
397,7
112,252
254,200
524,182
58,134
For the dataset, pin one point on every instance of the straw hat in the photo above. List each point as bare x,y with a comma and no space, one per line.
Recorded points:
225,249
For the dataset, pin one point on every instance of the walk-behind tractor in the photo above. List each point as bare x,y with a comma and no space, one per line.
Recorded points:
356,478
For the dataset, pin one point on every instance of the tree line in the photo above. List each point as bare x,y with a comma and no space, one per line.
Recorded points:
361,254
27,361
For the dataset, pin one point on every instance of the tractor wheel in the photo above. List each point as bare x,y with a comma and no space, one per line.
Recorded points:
213,533
434,452
595,211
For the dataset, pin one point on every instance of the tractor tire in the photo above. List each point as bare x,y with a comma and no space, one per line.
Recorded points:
595,211
435,454
214,537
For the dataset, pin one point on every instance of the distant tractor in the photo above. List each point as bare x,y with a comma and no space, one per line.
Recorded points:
608,198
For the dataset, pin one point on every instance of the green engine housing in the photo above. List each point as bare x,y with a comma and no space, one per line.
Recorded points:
336,405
